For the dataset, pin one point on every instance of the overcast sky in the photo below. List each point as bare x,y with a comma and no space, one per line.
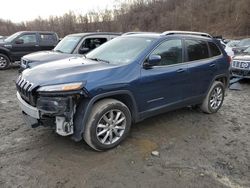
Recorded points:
25,10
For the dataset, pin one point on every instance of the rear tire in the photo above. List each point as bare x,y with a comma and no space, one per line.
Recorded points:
4,62
214,99
108,124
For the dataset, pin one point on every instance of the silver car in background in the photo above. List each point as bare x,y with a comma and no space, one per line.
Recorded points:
241,46
241,65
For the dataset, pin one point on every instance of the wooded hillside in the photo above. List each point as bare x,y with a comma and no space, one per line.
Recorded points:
229,18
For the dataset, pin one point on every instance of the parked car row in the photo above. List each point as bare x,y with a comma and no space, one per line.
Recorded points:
70,46
241,46
14,47
237,46
241,64
96,97
239,51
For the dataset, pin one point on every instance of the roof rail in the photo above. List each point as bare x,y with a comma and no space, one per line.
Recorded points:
132,33
187,33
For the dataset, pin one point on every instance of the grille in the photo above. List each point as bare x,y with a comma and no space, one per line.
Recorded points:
24,88
241,65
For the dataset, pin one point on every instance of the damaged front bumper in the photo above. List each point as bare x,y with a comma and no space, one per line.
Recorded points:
57,111
240,73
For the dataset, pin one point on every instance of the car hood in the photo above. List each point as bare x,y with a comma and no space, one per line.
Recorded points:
2,42
69,70
240,48
47,56
243,57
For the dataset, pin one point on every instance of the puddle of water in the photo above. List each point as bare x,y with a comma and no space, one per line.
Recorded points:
145,146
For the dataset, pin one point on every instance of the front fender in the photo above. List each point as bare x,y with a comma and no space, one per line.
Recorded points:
84,109
6,52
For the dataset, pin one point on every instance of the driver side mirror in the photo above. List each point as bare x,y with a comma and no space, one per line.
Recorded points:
19,41
83,50
152,60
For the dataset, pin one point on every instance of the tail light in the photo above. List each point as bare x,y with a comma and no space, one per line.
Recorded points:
229,59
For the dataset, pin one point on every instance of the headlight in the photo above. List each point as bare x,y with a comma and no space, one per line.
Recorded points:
25,62
62,87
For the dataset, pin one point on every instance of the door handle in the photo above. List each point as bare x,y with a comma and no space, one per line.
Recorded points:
36,45
212,65
180,70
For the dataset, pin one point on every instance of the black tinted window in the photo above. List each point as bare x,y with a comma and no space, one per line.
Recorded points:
196,50
170,52
93,43
214,49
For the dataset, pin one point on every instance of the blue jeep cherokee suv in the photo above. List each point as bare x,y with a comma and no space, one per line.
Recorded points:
124,81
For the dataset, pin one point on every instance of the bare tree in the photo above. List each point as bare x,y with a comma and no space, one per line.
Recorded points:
218,17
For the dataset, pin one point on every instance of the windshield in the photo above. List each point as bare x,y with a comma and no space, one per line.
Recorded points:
121,50
67,44
233,43
244,42
247,51
12,37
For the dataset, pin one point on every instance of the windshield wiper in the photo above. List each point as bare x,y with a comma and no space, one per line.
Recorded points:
99,60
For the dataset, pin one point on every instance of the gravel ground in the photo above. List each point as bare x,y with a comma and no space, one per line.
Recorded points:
195,149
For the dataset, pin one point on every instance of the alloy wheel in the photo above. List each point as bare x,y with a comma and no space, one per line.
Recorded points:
216,98
3,62
111,127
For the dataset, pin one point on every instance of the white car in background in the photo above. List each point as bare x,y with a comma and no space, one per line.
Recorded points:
228,49
233,43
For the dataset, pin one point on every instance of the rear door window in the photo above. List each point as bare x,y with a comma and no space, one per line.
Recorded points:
196,50
215,51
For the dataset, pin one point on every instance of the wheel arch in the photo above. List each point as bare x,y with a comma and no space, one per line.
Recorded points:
5,52
85,106
224,78
126,99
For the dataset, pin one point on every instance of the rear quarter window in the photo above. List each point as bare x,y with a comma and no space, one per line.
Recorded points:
196,50
214,49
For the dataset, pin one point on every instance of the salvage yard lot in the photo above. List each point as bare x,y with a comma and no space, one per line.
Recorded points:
196,150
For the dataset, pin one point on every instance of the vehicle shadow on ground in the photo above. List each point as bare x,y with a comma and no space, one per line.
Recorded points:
152,131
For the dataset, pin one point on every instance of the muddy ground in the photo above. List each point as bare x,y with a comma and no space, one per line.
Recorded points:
196,150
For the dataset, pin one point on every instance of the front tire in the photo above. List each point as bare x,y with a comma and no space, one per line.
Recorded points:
108,124
4,62
214,99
